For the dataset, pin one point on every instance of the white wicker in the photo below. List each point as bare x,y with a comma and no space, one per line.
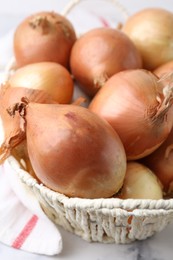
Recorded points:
116,3
103,220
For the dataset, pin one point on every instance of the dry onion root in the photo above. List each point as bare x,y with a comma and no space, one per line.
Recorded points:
132,102
44,36
72,150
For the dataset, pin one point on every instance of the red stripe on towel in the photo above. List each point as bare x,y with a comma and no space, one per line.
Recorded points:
20,239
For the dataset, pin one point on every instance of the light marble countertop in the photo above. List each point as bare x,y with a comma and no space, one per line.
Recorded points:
158,247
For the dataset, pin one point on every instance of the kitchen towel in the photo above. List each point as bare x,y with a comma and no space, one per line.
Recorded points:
23,224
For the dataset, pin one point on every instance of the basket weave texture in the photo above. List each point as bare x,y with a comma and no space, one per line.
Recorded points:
103,220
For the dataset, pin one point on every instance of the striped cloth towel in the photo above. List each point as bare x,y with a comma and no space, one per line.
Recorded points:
23,224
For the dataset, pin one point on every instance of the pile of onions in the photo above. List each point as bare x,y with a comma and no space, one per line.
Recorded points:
91,152
72,150
161,162
100,53
11,125
44,36
48,76
140,183
151,31
132,102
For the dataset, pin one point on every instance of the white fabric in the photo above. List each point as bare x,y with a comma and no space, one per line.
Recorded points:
17,207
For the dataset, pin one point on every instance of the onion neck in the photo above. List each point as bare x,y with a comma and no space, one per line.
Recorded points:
15,139
164,106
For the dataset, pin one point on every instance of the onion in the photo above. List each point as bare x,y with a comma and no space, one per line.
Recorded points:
44,36
132,103
140,183
164,69
161,162
11,125
151,31
73,151
48,76
99,54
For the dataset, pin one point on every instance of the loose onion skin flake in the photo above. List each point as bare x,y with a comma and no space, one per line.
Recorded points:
132,103
100,53
73,151
51,77
44,36
151,31
140,183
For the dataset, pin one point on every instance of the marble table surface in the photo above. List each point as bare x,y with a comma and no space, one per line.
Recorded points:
159,246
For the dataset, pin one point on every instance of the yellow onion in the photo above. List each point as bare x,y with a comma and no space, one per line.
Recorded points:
48,76
151,31
43,36
72,150
140,183
132,102
100,53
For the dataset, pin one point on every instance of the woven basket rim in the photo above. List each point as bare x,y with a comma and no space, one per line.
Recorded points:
107,203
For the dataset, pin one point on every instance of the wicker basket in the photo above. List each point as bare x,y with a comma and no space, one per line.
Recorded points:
103,220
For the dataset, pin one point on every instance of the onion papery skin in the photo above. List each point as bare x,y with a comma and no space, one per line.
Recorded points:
133,105
161,162
140,183
13,133
100,53
43,36
73,151
20,153
152,32
51,77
